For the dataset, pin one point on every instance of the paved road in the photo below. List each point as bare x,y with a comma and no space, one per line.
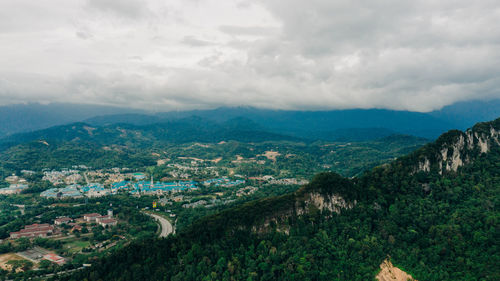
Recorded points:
166,226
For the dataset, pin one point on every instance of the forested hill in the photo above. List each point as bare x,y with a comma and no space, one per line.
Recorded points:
434,213
332,125
178,131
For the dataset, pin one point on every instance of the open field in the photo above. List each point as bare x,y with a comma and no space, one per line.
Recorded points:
75,246
5,258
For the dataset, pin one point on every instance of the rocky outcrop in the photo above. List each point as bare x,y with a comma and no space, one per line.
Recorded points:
332,203
304,204
456,149
388,272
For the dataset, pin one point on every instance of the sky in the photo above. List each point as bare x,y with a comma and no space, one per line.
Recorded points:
294,54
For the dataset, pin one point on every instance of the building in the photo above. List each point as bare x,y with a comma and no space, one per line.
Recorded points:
34,230
63,220
13,189
100,218
91,217
139,176
108,222
54,258
76,227
71,191
95,190
14,179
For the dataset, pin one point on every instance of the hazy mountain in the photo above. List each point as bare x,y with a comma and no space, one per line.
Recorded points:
352,124
184,130
465,114
30,117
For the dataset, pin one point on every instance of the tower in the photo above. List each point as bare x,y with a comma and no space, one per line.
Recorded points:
110,213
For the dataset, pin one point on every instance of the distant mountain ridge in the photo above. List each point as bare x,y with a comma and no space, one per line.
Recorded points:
345,125
336,125
21,118
331,125
191,129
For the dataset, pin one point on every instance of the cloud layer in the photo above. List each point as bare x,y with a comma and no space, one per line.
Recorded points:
185,54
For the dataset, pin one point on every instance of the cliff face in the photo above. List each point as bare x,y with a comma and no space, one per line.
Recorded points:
455,148
326,193
303,203
332,203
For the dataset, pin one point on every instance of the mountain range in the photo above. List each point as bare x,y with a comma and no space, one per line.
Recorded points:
344,125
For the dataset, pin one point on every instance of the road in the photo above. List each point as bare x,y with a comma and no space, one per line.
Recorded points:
166,226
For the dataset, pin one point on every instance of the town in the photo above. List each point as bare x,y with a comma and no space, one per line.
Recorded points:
81,212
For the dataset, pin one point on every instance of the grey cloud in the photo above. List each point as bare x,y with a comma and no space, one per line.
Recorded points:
248,30
83,35
195,42
124,8
318,54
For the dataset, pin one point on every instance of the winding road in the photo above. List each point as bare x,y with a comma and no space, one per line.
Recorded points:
166,226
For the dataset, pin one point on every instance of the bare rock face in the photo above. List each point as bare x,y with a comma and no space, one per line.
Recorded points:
389,272
332,203
425,165
461,149
313,201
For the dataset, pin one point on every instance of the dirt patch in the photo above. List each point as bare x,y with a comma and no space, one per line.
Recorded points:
6,258
89,130
391,273
200,145
271,155
160,162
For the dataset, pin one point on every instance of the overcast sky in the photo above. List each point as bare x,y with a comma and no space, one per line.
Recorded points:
288,54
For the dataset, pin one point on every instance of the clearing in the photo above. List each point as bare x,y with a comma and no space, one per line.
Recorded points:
389,272
6,258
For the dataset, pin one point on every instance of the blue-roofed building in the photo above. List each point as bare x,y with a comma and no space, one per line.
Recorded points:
122,185
92,186
139,176
95,190
62,193
215,181
13,189
161,187
223,182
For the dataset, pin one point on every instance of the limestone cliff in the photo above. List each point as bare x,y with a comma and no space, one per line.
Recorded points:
456,149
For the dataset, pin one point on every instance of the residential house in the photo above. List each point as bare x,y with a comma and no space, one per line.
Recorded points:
34,230
91,217
63,220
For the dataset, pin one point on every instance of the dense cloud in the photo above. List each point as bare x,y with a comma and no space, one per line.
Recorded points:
318,54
